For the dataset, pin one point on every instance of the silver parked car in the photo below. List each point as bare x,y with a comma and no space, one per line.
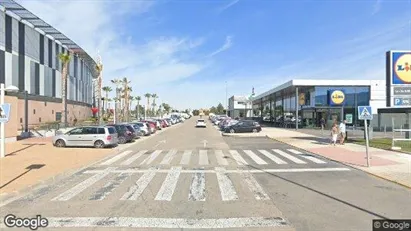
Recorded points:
88,136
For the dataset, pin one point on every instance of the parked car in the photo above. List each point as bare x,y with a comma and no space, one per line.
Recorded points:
144,128
133,131
88,136
228,123
152,126
244,126
162,123
124,135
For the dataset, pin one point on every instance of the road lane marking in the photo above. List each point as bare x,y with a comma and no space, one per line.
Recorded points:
186,157
197,188
168,157
220,157
288,156
72,192
134,157
151,157
136,190
116,158
255,158
169,185
203,158
227,189
109,187
289,170
165,223
238,158
254,186
308,157
272,157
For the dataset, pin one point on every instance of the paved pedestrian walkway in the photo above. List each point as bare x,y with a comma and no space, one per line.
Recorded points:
32,161
390,165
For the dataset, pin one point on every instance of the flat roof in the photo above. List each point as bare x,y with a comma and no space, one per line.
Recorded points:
10,6
315,82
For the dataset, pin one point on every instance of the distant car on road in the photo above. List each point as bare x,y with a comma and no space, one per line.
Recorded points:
201,123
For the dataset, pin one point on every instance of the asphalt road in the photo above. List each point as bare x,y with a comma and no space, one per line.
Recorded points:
187,178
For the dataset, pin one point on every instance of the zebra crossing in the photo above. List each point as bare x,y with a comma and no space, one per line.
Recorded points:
213,157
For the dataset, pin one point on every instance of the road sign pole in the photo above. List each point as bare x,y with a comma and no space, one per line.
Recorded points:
366,143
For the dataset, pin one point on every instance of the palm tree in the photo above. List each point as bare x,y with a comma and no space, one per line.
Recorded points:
99,69
130,101
117,82
126,90
148,95
107,90
138,98
65,60
154,96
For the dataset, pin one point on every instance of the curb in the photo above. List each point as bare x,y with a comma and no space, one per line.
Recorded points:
347,165
244,136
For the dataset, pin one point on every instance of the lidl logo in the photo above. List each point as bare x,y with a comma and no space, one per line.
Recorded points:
337,97
402,68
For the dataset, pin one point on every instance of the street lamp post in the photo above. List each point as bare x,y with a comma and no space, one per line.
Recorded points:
3,90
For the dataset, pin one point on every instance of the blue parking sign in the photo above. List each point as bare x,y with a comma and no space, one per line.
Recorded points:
5,112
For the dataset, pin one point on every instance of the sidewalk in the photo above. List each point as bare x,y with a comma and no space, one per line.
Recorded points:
32,161
390,165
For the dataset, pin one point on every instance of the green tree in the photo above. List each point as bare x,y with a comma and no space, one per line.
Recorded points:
196,112
220,109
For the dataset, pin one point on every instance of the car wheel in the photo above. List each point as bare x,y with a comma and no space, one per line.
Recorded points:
255,130
60,143
232,131
122,140
99,144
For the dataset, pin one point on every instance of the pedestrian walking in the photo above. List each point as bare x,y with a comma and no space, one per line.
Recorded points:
343,131
334,134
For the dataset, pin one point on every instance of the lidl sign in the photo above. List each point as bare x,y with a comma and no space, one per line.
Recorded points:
336,97
401,69
398,78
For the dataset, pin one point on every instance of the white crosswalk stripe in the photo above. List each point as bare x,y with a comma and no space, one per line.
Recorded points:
136,190
203,157
254,186
226,186
167,188
185,160
197,188
169,157
272,157
151,157
238,158
308,157
220,157
116,158
134,157
288,156
255,158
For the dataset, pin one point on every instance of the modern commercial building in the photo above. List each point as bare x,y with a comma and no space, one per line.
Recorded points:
311,100
239,106
29,60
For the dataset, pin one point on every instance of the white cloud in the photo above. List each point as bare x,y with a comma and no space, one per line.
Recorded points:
376,7
98,26
225,7
227,45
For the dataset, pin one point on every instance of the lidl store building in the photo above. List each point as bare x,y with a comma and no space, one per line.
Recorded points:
305,102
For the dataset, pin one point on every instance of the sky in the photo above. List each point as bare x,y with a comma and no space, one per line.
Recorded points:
192,53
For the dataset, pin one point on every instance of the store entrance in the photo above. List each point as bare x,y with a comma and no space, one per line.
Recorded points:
312,117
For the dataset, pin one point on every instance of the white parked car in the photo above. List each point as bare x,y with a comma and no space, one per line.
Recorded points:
201,123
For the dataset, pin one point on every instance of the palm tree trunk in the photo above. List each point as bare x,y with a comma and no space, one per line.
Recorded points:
63,93
138,111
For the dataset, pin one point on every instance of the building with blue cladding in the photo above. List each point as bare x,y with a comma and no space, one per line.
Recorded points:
29,60
311,100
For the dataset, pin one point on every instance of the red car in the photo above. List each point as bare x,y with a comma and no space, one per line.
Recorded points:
163,123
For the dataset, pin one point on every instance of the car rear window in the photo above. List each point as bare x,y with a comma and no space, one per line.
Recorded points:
200,120
111,130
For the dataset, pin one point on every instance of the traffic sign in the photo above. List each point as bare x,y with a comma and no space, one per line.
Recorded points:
365,113
4,112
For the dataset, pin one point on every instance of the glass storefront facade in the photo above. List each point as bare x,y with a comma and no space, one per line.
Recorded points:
279,108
